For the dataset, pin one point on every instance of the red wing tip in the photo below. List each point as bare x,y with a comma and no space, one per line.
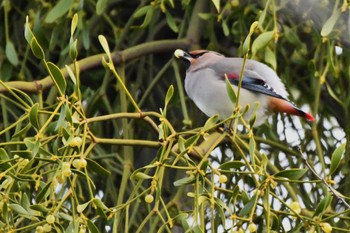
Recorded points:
309,117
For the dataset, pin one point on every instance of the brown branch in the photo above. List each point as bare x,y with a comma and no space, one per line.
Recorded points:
95,61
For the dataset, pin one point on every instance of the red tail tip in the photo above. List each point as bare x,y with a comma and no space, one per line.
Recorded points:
309,117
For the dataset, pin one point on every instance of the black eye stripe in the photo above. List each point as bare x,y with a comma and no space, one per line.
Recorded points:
197,55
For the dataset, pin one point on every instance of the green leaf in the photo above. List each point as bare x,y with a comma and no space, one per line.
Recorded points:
210,123
291,36
323,205
148,18
61,119
4,159
330,23
94,166
231,165
252,147
19,209
142,11
36,49
169,95
92,227
34,116
261,41
216,4
187,180
246,43
57,77
28,34
336,158
99,204
73,51
292,174
58,10
71,74
11,53
206,16
225,28
248,206
105,46
140,176
41,208
171,22
22,131
82,207
43,193
263,14
101,5
74,24
230,91
270,57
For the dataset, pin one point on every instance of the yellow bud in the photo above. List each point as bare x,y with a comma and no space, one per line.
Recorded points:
222,179
149,198
47,228
326,227
76,142
295,206
67,172
82,163
50,219
65,165
39,229
75,163
252,227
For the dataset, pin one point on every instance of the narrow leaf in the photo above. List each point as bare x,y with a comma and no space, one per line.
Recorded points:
186,180
58,10
148,18
74,24
171,22
329,25
57,77
92,227
94,166
101,5
230,91
169,94
140,176
261,41
323,205
4,164
82,207
43,193
19,209
210,123
34,116
292,174
216,4
248,207
11,53
231,165
36,49
142,11
336,158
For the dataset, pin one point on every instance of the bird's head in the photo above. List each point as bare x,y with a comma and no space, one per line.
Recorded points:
198,58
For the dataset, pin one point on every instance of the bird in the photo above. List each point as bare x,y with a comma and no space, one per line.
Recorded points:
205,84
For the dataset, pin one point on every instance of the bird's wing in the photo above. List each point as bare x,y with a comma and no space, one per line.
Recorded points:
254,84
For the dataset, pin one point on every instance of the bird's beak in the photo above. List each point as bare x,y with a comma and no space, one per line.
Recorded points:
179,53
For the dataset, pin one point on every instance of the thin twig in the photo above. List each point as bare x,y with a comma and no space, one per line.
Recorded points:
333,191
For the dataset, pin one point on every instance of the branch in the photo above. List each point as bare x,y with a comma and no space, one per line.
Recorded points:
95,61
330,188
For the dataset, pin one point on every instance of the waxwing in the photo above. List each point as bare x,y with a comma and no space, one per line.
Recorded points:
205,85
